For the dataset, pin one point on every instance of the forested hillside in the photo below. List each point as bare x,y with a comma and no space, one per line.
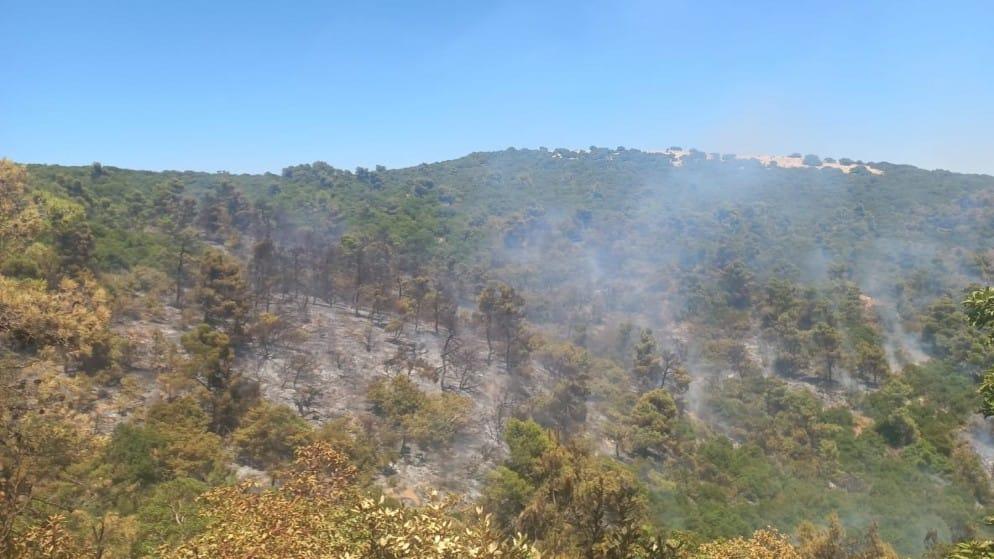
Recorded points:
605,353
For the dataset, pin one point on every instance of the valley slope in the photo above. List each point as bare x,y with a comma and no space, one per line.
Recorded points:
741,344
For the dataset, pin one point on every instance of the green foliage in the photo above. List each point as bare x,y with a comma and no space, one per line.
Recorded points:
191,450
348,437
431,420
646,365
572,502
169,515
269,434
222,292
396,398
980,311
526,442
135,455
440,419
652,423
979,307
502,309
506,493
899,428
828,278
211,366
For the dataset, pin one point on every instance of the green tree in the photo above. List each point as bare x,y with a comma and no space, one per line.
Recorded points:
979,307
736,281
222,292
440,419
263,270
829,343
647,366
184,243
191,450
135,455
871,361
652,423
526,442
899,428
269,434
169,515
73,238
502,310
397,399
211,366
583,506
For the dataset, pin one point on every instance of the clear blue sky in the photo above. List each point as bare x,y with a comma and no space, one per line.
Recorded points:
255,86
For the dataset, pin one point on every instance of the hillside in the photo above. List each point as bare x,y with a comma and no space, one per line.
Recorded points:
612,352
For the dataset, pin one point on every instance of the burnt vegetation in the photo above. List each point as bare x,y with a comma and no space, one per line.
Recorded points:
604,353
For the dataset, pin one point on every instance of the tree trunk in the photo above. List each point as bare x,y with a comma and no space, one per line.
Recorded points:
179,274
490,344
